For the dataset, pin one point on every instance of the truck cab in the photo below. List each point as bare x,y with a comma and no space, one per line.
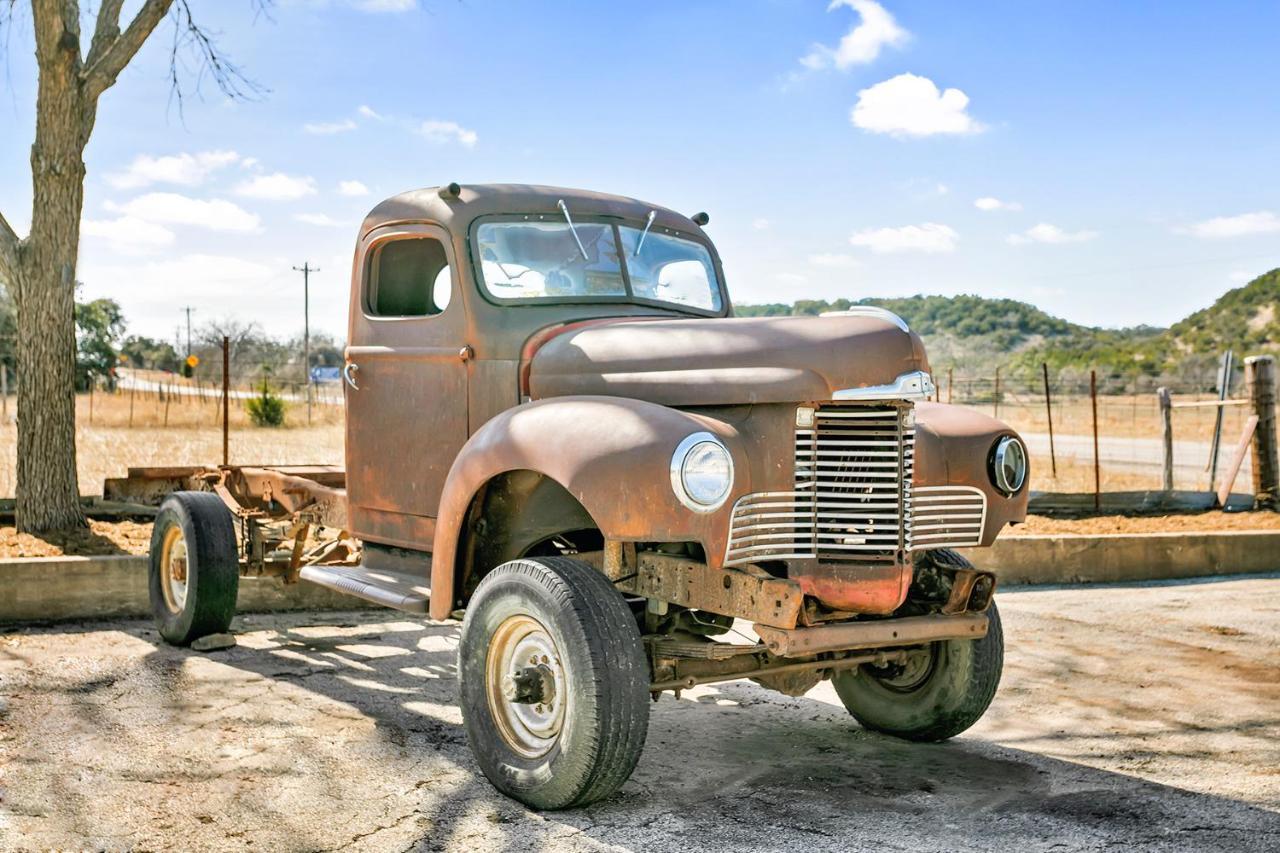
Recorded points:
558,432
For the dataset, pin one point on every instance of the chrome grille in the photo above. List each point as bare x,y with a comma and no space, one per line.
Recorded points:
852,496
947,516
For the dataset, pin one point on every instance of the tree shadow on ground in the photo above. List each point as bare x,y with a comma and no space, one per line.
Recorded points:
736,767
341,730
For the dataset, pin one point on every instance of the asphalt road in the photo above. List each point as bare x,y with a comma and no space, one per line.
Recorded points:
1138,717
1142,455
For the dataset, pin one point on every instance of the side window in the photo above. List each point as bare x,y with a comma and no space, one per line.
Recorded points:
408,278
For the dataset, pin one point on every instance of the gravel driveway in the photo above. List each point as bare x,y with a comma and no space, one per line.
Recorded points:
1130,717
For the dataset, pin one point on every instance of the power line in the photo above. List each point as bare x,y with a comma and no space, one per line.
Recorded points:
306,269
188,309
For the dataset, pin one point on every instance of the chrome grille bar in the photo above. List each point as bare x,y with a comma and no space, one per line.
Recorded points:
852,498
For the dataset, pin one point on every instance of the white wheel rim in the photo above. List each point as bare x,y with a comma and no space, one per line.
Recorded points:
174,569
522,646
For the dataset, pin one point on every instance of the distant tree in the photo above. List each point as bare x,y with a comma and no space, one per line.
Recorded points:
41,268
99,327
150,353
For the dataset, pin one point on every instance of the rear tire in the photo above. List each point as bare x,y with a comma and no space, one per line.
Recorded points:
195,567
554,682
949,692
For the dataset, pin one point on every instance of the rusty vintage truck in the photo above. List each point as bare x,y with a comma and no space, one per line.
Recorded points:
558,432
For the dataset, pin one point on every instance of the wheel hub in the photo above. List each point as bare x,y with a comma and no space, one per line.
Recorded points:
174,567
907,675
525,683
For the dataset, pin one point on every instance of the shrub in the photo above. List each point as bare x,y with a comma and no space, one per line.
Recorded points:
267,409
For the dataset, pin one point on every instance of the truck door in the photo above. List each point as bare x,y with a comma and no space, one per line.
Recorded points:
406,383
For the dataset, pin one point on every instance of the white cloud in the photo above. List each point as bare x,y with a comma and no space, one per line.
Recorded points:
173,209
184,169
368,112
386,5
989,204
443,132
909,105
834,260
128,235
761,224
325,128
1244,225
876,30
929,237
323,219
1241,276
942,189
199,273
277,187
790,278
1046,233
352,188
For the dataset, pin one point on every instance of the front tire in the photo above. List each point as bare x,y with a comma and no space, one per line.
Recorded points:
195,567
941,691
554,682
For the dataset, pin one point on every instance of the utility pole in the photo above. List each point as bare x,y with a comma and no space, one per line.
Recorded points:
306,269
188,309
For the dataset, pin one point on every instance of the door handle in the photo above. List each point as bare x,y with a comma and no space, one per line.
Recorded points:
348,372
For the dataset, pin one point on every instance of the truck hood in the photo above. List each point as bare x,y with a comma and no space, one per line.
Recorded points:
725,361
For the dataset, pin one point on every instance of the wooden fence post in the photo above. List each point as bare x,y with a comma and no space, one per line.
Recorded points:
1166,421
1097,465
1048,411
996,413
951,381
1260,379
226,397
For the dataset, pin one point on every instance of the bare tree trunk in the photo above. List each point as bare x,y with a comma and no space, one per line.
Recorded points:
47,489
41,269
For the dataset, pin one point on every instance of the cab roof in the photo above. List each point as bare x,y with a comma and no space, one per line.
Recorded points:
455,213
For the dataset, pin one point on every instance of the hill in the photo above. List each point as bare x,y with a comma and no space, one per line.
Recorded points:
974,334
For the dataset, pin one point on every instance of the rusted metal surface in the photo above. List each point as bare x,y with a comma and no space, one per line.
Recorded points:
725,361
970,590
855,587
758,598
953,448
691,674
876,634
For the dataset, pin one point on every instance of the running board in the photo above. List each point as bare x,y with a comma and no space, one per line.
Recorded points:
410,593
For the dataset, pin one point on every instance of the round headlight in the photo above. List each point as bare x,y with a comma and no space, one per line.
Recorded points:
701,472
1009,465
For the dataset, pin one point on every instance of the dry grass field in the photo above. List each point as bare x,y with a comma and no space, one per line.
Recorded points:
129,429
107,446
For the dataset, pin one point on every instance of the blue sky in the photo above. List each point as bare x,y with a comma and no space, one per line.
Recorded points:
1111,163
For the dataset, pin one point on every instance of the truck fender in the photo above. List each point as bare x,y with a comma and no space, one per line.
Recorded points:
612,454
953,448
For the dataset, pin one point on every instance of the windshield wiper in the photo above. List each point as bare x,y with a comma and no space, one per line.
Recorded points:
564,208
648,223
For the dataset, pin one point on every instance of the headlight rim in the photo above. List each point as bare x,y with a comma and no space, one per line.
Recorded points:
678,457
997,471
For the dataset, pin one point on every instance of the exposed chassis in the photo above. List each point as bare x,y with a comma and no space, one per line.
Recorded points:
287,516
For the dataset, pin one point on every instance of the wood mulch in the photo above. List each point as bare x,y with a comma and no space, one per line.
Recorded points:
100,538
1038,525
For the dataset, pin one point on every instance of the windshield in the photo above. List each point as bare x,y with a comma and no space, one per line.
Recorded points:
543,260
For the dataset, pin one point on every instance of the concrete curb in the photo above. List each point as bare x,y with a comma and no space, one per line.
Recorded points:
1128,557
48,589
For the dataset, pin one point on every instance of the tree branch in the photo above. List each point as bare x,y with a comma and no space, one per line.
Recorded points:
102,72
9,244
106,31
